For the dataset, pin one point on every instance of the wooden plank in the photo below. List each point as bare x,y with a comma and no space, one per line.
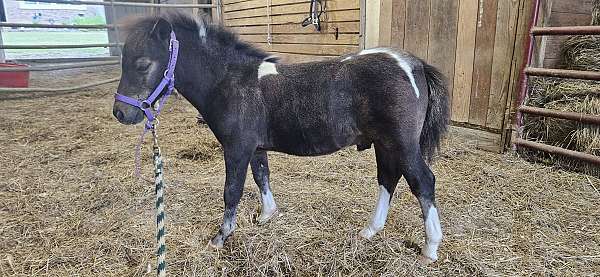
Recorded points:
443,29
385,23
416,38
525,12
228,7
321,50
398,23
328,28
577,6
335,16
372,24
299,58
316,38
477,138
465,56
301,8
484,54
504,47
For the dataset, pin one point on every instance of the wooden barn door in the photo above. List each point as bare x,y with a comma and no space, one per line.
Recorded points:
473,42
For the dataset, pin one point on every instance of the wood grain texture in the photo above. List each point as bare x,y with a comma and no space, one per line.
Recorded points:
482,68
443,29
385,23
398,23
301,8
321,50
504,45
317,38
333,16
465,56
292,28
416,38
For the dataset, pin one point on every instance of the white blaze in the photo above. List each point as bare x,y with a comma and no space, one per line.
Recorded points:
433,230
402,62
267,68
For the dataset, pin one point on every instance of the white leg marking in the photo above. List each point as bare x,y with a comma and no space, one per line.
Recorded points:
402,62
267,68
269,208
433,230
379,215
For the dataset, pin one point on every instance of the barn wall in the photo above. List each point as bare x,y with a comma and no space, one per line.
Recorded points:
563,13
340,31
477,44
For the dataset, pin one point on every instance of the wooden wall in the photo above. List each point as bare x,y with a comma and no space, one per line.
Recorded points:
562,13
340,31
475,43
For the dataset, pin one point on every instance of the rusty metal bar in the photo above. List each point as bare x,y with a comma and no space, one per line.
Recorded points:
55,26
128,4
593,159
58,46
563,73
568,30
579,117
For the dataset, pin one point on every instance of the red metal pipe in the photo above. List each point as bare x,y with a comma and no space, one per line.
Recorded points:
568,30
579,117
563,73
589,158
526,62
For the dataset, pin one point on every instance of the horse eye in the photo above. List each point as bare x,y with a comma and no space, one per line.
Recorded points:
142,64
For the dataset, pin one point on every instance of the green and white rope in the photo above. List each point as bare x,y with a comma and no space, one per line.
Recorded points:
161,247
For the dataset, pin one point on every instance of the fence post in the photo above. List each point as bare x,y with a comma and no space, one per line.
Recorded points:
2,57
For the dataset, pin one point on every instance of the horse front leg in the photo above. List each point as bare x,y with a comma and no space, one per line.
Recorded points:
260,172
236,166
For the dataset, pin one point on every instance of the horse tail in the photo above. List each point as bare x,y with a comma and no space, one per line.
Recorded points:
438,112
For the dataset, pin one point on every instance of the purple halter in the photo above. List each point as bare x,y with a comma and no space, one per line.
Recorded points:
168,81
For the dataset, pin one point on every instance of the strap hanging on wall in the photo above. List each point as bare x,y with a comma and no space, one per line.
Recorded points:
314,18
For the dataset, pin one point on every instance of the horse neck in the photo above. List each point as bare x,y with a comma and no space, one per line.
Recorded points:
201,70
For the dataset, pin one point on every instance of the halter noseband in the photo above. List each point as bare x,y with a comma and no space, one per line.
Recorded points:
168,81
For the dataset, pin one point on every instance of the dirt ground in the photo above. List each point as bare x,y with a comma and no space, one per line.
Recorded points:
70,205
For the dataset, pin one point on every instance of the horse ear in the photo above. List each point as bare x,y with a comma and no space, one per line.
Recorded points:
161,30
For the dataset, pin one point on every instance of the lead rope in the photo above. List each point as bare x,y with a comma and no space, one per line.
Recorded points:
161,246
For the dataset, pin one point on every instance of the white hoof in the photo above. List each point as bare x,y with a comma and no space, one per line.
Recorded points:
265,216
423,260
367,233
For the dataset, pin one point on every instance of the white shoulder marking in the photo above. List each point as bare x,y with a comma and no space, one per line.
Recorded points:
267,68
405,65
347,58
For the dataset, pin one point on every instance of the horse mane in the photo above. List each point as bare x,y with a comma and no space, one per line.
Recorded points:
213,35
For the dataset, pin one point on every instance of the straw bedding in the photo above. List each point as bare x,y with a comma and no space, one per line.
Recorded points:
70,205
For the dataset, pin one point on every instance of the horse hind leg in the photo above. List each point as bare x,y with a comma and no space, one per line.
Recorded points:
387,176
422,184
260,172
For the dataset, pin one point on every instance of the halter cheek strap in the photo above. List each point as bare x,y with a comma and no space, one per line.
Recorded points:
167,81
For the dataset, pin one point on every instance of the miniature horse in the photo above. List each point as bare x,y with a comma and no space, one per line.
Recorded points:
253,104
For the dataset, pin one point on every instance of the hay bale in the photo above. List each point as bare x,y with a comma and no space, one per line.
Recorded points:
563,95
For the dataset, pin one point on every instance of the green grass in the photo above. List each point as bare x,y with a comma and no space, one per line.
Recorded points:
58,37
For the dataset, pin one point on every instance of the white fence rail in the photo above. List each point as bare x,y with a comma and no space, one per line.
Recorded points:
216,6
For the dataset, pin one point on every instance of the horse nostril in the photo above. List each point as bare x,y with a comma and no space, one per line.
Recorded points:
120,115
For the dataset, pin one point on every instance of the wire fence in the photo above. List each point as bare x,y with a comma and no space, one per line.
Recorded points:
216,5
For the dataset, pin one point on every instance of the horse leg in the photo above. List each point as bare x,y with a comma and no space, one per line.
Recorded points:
387,176
236,167
260,172
422,184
